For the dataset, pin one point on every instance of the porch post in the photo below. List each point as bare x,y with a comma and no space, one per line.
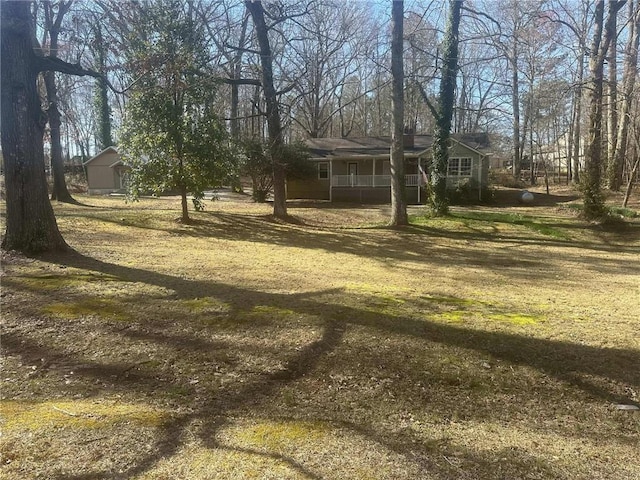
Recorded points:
480,167
374,171
331,180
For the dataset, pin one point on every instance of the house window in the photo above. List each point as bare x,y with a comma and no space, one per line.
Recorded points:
459,167
323,170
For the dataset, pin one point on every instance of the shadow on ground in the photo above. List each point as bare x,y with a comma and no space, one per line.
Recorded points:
593,374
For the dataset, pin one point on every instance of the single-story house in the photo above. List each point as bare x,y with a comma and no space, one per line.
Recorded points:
106,172
358,169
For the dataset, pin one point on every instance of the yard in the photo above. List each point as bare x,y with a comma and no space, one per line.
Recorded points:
497,343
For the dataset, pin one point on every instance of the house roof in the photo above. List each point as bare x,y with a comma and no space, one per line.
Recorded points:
354,147
99,154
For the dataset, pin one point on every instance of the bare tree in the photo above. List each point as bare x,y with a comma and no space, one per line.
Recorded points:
276,140
630,67
443,112
53,16
604,33
327,48
398,201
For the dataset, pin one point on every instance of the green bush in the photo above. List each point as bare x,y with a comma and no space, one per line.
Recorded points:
466,193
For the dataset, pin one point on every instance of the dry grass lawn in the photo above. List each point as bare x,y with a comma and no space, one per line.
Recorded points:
493,344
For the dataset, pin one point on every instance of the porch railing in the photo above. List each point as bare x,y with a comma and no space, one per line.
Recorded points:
371,180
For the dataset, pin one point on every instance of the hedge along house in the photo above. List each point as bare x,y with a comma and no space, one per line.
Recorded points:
106,172
358,169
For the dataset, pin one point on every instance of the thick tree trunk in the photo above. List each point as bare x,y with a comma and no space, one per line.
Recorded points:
31,225
612,106
439,202
515,100
102,111
184,204
592,192
628,84
53,24
398,201
104,139
274,127
60,191
593,200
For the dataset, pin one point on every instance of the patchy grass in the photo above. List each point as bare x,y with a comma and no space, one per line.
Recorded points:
493,343
39,417
105,308
488,221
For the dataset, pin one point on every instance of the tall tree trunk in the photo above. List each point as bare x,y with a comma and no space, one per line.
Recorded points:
628,84
577,135
103,111
515,100
578,97
577,115
30,222
632,175
444,115
592,192
60,191
398,201
612,107
184,204
53,24
276,141
236,73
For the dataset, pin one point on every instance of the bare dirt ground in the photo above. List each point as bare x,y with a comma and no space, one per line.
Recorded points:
496,343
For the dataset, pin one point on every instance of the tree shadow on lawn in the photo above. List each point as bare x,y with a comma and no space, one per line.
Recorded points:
509,198
568,362
559,357
474,248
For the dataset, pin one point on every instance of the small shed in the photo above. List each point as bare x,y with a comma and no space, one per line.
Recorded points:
106,172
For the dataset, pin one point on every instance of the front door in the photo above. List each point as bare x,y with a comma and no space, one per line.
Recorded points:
353,173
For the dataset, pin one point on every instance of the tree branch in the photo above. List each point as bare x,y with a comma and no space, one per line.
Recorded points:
53,64
430,105
240,81
241,49
286,89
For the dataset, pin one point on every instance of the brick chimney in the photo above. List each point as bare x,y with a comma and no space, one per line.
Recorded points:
408,137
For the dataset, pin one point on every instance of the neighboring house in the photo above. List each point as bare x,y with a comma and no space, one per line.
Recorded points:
106,173
358,169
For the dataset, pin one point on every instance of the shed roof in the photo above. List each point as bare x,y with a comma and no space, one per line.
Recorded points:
111,149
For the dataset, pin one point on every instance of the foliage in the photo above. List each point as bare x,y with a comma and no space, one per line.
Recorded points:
623,212
172,137
257,164
466,193
200,160
444,113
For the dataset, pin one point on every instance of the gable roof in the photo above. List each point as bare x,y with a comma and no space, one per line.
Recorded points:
99,154
379,146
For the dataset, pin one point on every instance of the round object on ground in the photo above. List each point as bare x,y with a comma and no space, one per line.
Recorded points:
526,197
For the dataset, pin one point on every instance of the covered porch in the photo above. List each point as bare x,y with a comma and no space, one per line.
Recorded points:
412,180
368,180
